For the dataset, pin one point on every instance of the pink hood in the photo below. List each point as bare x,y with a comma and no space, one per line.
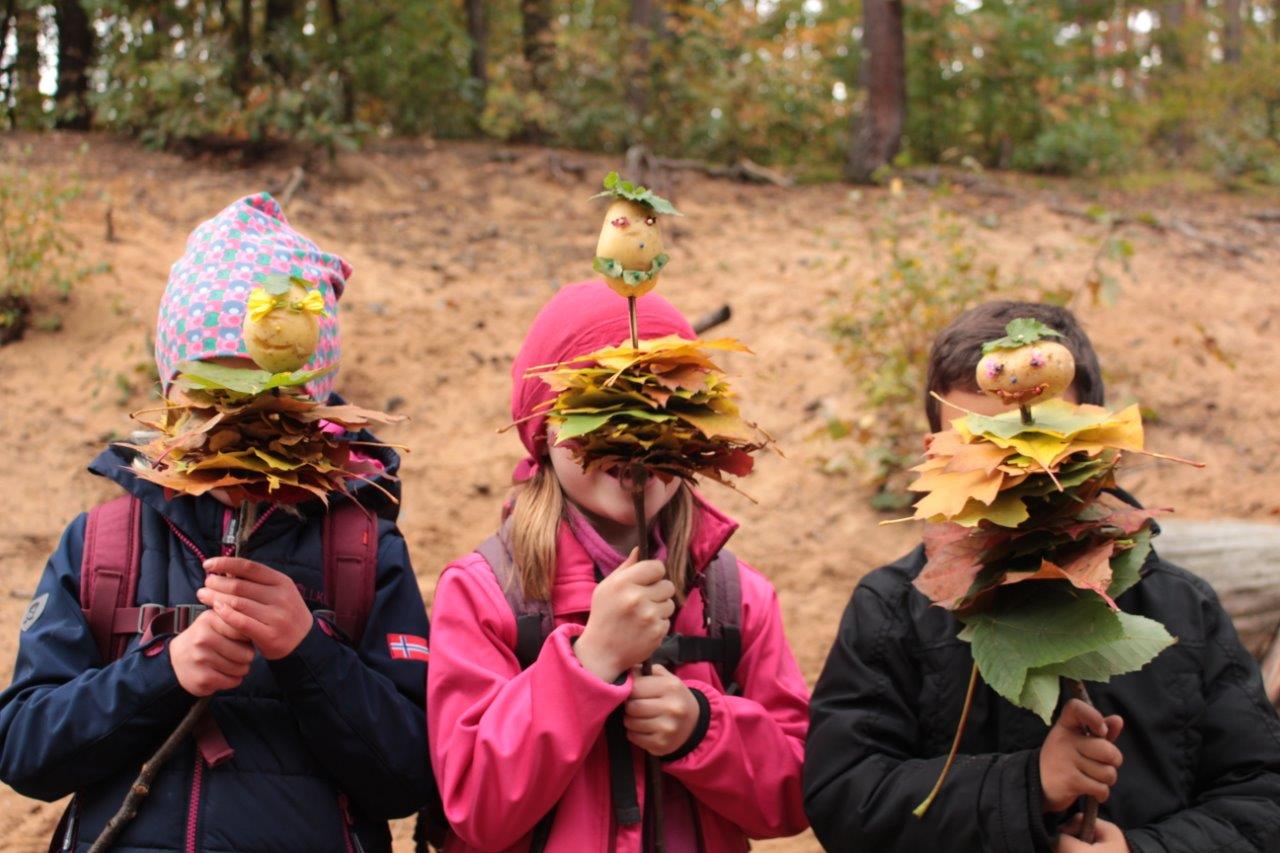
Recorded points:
509,745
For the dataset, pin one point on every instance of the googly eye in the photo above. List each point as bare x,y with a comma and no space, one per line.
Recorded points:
650,220
620,222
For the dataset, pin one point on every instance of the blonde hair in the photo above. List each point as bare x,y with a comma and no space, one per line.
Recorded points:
538,511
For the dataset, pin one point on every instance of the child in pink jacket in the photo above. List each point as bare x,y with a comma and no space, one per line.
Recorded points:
539,725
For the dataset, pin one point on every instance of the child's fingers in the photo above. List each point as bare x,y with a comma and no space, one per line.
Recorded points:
646,708
645,572
644,725
241,568
1077,715
663,590
1091,787
1115,725
631,558
236,619
242,587
1100,750
253,609
216,624
647,687
1098,772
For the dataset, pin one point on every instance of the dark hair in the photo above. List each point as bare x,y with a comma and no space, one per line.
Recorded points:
958,348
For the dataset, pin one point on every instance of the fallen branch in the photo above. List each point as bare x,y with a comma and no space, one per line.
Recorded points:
644,163
715,318
291,186
1266,215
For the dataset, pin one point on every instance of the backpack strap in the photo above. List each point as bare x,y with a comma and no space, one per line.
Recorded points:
109,571
535,620
722,614
350,565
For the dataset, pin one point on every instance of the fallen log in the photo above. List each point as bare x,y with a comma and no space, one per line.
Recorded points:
1241,561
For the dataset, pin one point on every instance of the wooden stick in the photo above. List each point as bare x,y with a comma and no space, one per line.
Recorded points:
1090,806
652,772
141,786
631,316
1271,670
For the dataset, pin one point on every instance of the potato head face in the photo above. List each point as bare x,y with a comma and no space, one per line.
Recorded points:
632,237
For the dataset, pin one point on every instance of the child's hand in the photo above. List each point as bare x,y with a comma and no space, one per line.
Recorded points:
257,601
1074,764
209,656
630,614
661,712
1107,838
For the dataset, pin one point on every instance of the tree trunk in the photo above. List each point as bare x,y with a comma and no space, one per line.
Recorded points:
6,24
244,49
276,35
642,20
1232,30
75,51
478,30
1173,15
26,65
535,39
877,131
347,95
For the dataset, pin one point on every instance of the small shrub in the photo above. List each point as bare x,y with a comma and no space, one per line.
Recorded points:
38,255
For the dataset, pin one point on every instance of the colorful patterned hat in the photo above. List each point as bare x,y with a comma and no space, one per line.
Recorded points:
204,302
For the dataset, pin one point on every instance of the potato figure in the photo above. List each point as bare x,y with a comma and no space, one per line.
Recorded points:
282,325
629,253
1024,367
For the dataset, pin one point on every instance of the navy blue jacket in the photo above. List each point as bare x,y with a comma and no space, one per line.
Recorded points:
327,725
1201,743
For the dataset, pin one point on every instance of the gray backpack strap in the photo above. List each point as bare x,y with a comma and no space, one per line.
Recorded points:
722,614
534,619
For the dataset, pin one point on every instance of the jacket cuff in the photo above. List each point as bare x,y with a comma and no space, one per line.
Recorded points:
1016,804
699,730
301,664
559,647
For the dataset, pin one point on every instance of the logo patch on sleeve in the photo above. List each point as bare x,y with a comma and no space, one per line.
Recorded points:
408,647
34,610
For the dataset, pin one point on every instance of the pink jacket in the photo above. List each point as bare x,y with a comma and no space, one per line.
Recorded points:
508,745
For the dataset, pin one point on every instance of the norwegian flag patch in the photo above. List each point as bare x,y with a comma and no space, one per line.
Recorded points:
408,647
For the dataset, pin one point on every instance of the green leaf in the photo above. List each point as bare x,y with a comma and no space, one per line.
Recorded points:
277,284
247,381
611,180
1019,333
579,425
617,188
607,267
1142,640
1035,625
1040,694
1126,566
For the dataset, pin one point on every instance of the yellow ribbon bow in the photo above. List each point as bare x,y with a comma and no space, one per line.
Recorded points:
262,303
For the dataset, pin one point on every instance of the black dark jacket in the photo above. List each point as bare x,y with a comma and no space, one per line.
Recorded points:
1201,744
329,740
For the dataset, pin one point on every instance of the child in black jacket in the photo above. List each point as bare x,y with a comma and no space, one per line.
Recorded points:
1190,758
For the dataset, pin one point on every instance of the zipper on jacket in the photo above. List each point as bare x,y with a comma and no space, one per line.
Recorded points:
197,773
349,836
193,805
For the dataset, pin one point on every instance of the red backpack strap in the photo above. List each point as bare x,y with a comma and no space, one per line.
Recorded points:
109,572
350,566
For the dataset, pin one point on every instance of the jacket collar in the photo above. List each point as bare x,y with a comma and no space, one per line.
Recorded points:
576,571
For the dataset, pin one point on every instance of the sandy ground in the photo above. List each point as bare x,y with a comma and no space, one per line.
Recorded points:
455,247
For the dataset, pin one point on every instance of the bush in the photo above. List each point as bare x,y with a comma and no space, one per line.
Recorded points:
37,253
927,271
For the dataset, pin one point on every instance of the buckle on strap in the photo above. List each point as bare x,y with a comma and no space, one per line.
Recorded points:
146,613
185,614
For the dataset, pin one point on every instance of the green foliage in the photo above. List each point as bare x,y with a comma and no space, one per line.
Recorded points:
1019,333
927,271
38,255
615,187
1040,632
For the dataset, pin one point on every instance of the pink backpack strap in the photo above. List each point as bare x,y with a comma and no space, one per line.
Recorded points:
350,565
109,572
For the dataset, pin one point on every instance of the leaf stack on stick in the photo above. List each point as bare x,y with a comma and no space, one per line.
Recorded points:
254,436
659,407
1027,541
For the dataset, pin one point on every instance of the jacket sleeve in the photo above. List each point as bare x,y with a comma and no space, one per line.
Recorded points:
505,743
863,776
747,767
1235,804
67,721
361,711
